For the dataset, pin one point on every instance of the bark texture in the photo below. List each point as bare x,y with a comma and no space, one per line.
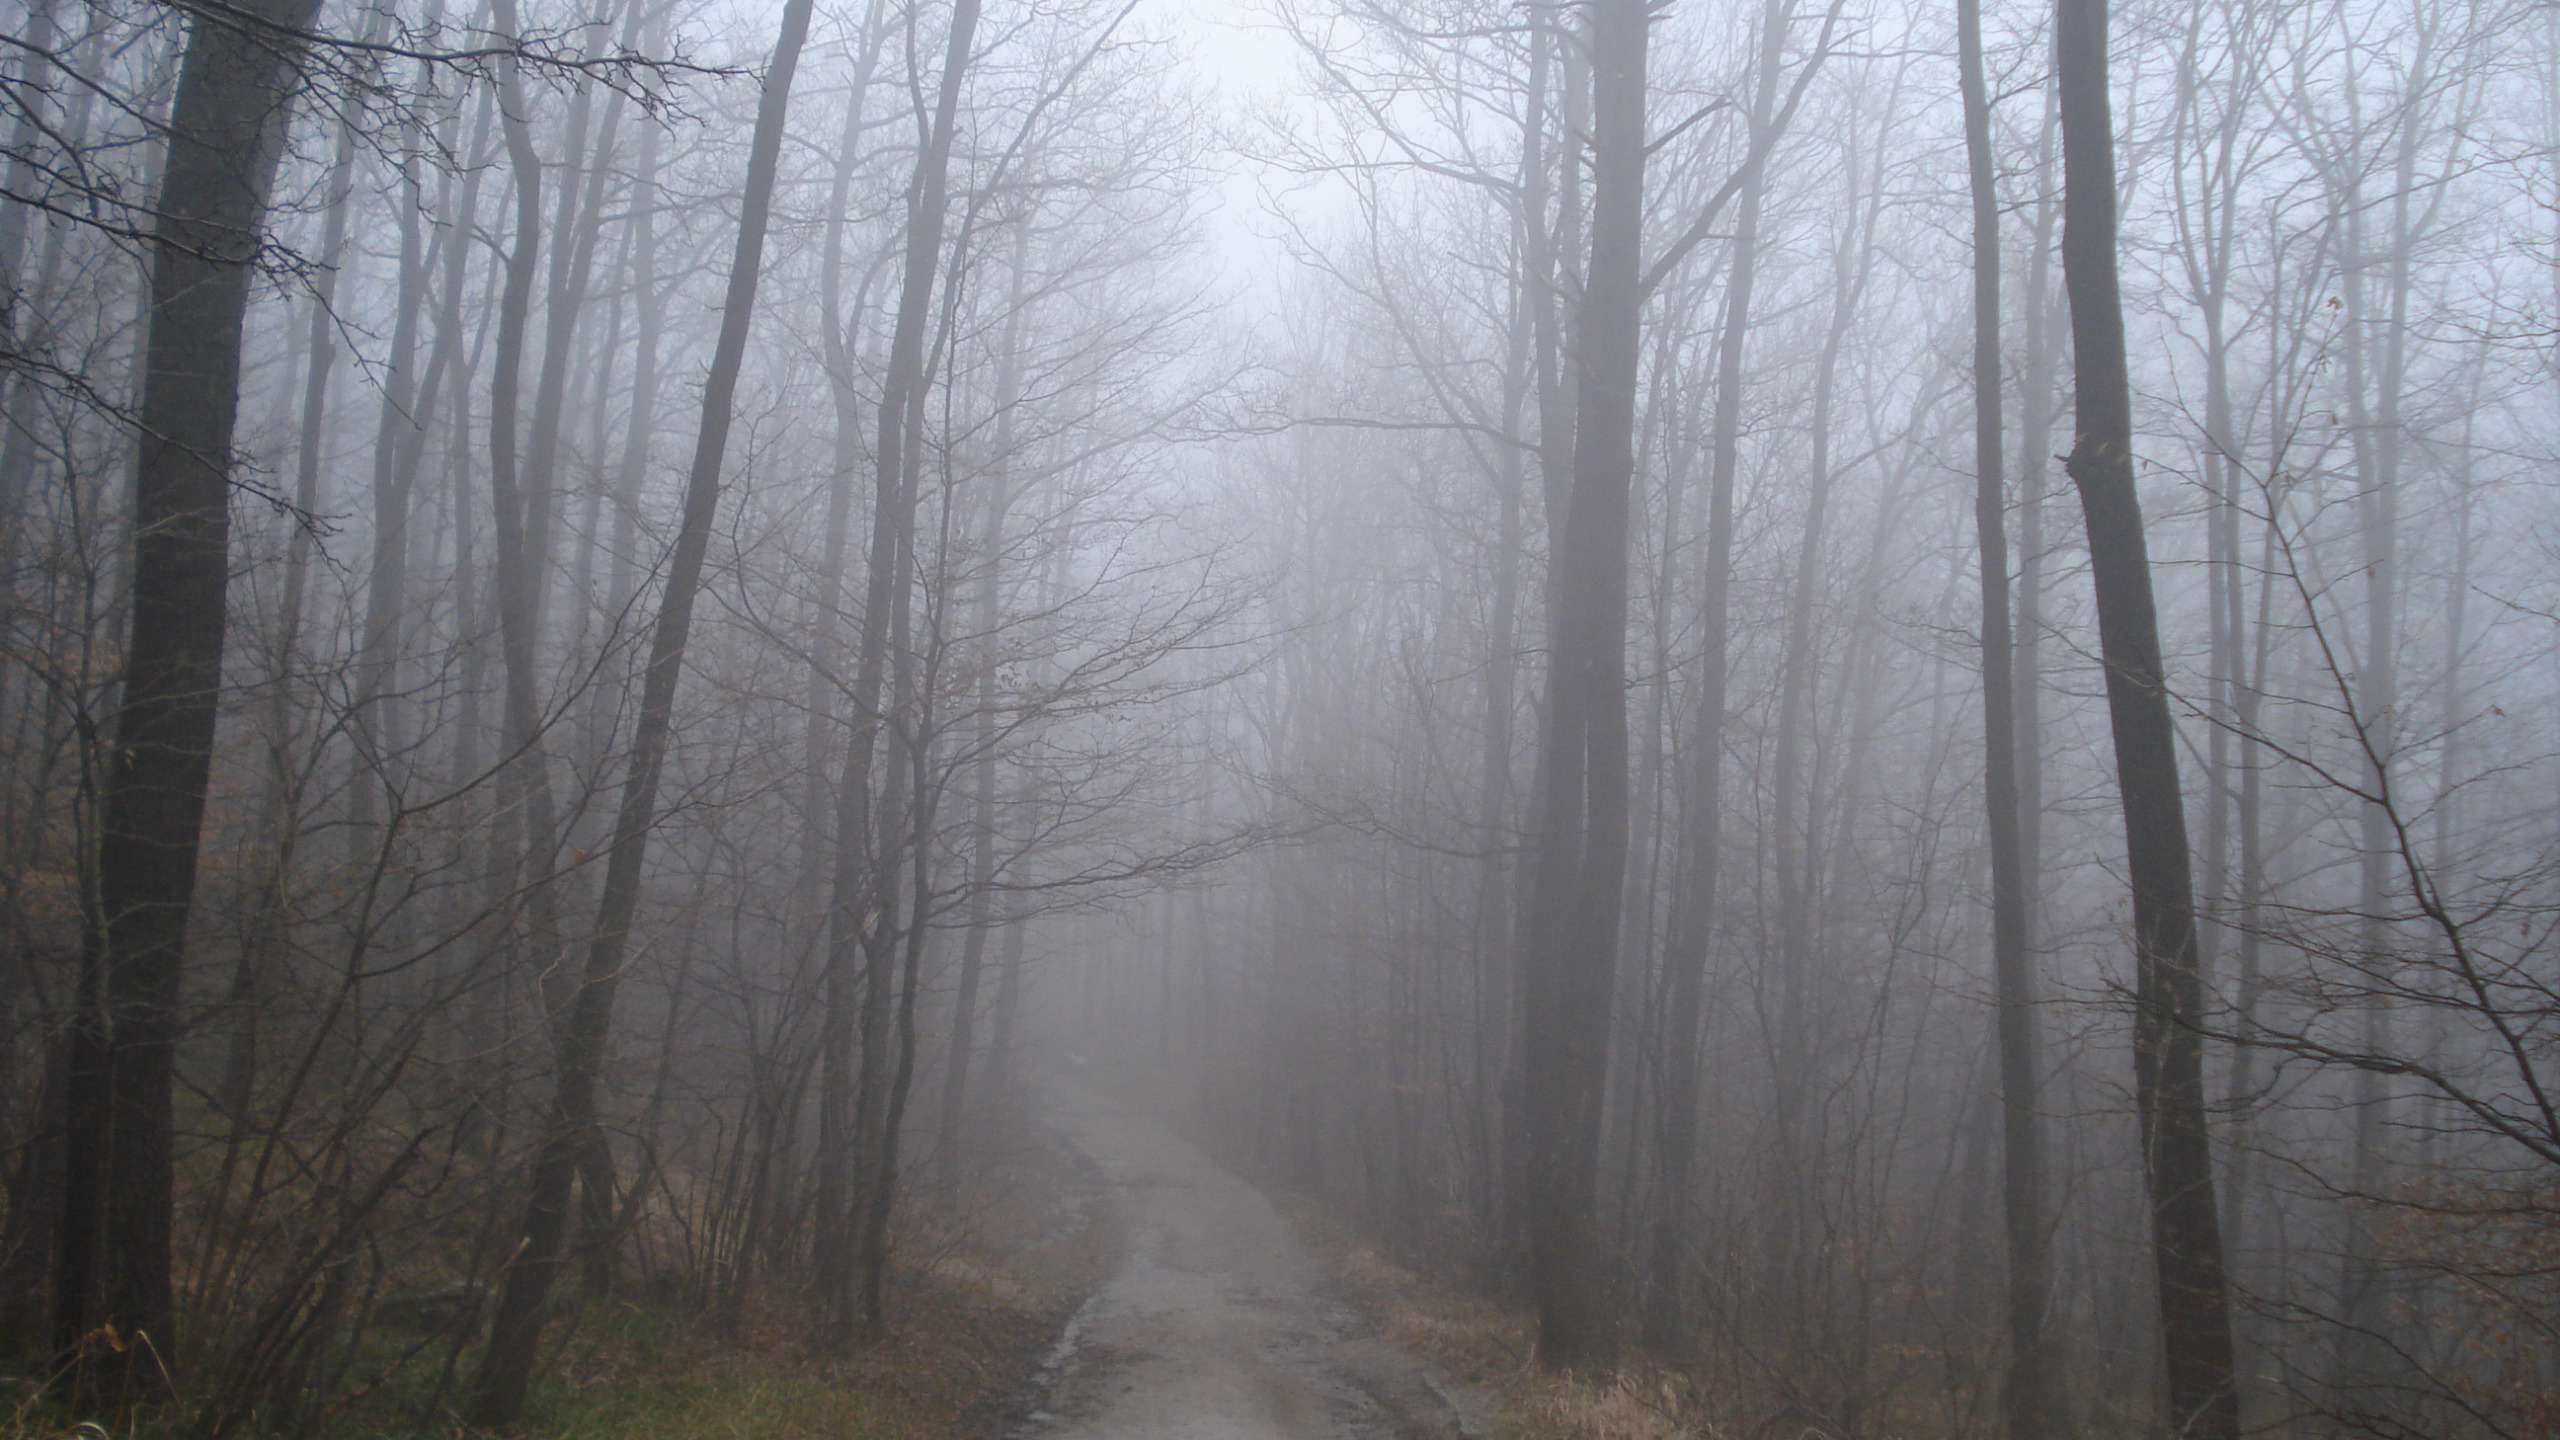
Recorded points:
2194,1306
226,128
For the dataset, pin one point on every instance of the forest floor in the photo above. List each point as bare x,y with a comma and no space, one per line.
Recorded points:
994,1282
1114,1281
969,1339
1122,1283
989,1286
1486,1351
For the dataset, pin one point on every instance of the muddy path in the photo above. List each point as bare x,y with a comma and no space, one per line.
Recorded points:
1217,1324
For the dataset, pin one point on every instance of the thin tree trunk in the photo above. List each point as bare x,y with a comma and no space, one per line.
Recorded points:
880,1190
1691,932
983,835
281,819
862,868
398,438
528,824
1547,235
31,81
1796,823
640,426
516,1328
830,1246
1492,935
1008,1008
2038,407
2027,1399
2367,1354
574,229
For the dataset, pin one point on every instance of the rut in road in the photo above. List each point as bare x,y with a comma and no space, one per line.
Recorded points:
1217,1324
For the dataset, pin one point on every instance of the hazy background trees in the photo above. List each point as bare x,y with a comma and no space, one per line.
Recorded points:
2306,317
1431,603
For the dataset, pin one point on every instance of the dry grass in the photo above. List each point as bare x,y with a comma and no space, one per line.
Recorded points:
997,1272
970,1330
1487,1347
740,1390
961,1347
988,1290
628,1372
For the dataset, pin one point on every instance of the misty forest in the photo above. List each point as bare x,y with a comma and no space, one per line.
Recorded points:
1134,720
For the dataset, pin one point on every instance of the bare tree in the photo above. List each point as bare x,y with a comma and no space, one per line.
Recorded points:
515,1330
1581,834
2029,1395
2186,1233
111,1269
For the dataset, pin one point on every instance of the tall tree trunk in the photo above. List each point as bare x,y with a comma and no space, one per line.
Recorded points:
830,1246
515,1330
880,1188
527,822
398,440
574,231
863,859
2194,1307
2038,407
631,471
1550,229
2028,1397
225,131
282,800
2367,1354
281,815
1691,931
985,614
1796,823
31,80
1577,882
2249,896
1492,937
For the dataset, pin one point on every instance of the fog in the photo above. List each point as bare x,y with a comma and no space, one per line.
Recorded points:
1848,707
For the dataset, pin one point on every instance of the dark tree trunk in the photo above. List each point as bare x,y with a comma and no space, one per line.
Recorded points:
880,1187
2194,1306
1578,878
224,133
2027,1398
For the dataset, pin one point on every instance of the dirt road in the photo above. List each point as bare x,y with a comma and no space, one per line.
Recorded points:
1217,1325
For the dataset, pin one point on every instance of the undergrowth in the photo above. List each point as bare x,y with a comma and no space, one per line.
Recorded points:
627,1370
1488,1348
976,1307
